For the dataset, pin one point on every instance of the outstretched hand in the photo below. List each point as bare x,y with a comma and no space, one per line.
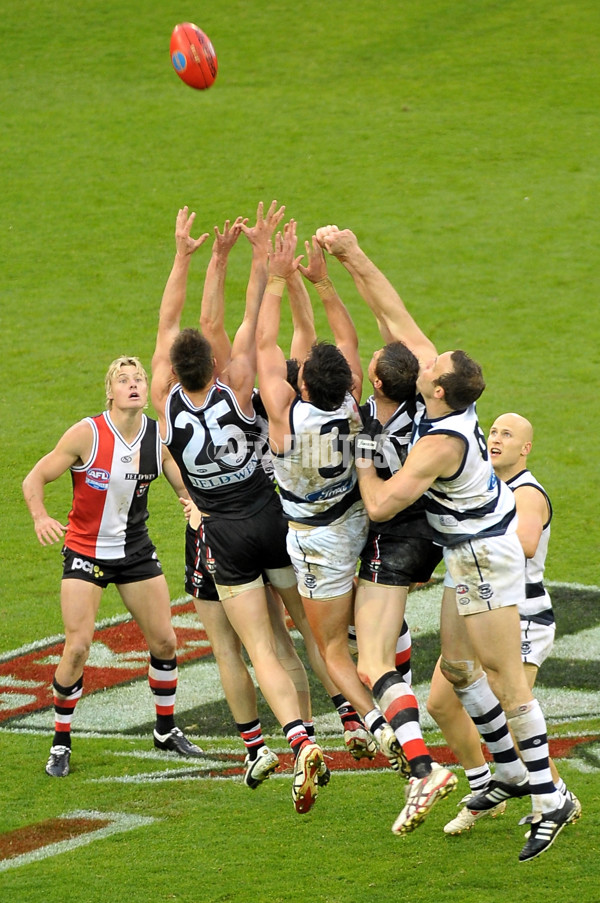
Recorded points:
260,234
186,245
282,259
317,266
225,240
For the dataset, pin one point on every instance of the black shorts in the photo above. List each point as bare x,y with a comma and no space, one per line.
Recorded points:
235,552
142,566
199,583
398,561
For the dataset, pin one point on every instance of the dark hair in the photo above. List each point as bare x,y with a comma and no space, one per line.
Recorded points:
464,384
327,376
397,368
192,360
293,368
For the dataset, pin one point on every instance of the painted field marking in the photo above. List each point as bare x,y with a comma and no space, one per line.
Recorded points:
116,693
76,829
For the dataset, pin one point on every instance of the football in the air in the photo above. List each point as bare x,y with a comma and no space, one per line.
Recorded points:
193,56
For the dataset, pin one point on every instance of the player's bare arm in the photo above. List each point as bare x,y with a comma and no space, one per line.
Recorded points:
340,321
212,310
276,393
303,320
396,323
73,448
241,372
533,514
430,458
173,474
171,307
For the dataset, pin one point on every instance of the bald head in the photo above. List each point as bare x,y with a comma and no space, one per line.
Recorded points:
517,424
509,443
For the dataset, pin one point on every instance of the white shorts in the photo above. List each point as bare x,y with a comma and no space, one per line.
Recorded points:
488,573
537,641
325,558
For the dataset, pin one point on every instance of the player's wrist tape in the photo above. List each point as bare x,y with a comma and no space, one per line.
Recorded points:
324,286
276,285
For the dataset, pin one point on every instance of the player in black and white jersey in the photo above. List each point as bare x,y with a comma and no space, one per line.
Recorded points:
209,426
237,682
509,443
398,553
358,740
311,434
473,516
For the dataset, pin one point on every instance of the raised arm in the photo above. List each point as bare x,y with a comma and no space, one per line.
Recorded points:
171,307
340,321
303,320
243,351
74,447
212,312
275,391
393,318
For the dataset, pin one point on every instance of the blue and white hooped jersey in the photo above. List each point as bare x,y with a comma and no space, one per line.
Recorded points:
217,449
316,473
537,605
473,502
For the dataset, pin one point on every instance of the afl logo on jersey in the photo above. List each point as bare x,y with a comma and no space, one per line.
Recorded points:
97,479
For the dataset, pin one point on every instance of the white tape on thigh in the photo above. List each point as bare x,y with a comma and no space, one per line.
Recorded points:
283,578
230,592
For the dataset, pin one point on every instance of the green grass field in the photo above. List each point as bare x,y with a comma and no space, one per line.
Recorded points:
459,140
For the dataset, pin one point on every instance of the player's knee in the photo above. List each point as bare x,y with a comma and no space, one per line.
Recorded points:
433,707
461,673
165,648
76,652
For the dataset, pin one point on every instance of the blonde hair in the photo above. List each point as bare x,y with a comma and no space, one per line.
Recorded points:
118,364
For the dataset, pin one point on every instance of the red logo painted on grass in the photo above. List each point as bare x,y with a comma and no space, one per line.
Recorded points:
54,830
63,834
25,680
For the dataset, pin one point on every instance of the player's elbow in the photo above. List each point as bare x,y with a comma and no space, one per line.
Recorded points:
374,507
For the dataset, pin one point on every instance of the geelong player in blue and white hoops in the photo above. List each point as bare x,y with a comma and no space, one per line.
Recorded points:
473,516
509,444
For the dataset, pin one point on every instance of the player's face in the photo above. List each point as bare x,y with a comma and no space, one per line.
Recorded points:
129,388
506,442
373,366
431,370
